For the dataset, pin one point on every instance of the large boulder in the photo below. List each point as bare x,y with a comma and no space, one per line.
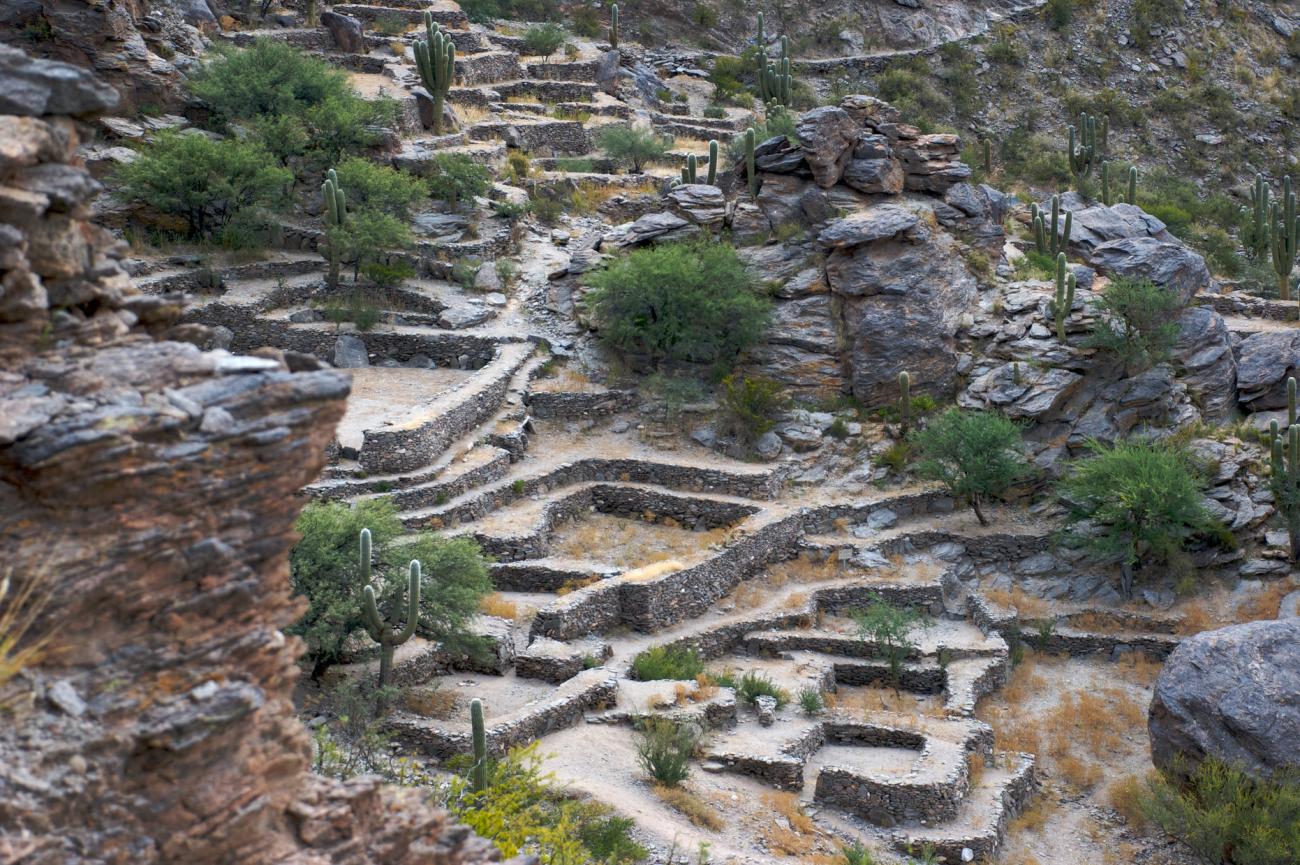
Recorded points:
1094,225
1203,356
699,203
32,89
1167,263
1264,362
826,137
345,31
1232,694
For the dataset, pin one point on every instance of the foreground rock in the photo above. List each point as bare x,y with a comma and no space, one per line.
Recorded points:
1233,694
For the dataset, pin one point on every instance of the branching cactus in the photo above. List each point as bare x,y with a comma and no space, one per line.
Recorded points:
904,402
775,81
1055,240
690,173
479,772
613,26
1285,477
335,214
1063,302
751,171
435,57
1106,197
1087,145
1285,228
1256,221
388,637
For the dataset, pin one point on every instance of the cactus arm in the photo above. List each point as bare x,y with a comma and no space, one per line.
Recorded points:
412,604
479,734
751,170
613,26
713,162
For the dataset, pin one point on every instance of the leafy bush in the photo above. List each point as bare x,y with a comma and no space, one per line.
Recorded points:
371,186
323,568
525,811
1138,322
634,146
1228,817
356,308
856,854
753,685
210,184
665,750
732,78
543,40
909,86
667,662
1058,13
365,237
1137,503
811,701
457,177
586,23
752,404
975,454
684,303
890,628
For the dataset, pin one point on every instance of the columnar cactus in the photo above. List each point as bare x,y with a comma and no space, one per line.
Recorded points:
988,155
1064,299
1106,196
690,171
335,213
904,402
1285,479
713,162
751,171
613,26
1050,242
388,637
1087,144
775,81
435,58
762,37
1285,228
1256,221
479,773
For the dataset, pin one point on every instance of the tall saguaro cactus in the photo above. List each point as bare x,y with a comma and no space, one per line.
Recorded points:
690,173
904,402
751,170
335,213
1048,240
1256,231
1063,302
1285,229
435,58
775,81
388,637
1285,479
613,26
479,773
1087,144
1106,197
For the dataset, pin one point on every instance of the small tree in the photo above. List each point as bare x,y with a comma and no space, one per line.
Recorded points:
371,186
457,177
975,454
366,238
753,404
634,146
890,628
1136,503
665,750
210,184
1138,322
681,303
542,40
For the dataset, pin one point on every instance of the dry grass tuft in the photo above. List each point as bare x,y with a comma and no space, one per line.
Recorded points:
19,609
1196,618
1266,604
1140,668
651,571
431,702
705,689
498,605
577,583
1124,795
694,808
975,766
1025,604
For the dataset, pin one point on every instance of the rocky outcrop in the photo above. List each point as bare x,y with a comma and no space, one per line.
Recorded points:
1205,362
1264,362
1232,694
147,490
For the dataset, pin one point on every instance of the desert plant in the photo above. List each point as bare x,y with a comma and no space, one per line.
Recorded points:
1283,241
1137,322
775,81
456,178
372,186
904,402
19,610
753,404
753,685
613,26
1256,225
1087,145
1106,197
634,146
665,750
667,662
389,637
334,212
542,40
890,628
976,455
1063,300
435,58
1284,478
1135,503
679,303
751,172
1047,239
478,736
689,173
856,854
365,239
811,701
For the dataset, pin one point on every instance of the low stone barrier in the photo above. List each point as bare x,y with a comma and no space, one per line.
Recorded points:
557,404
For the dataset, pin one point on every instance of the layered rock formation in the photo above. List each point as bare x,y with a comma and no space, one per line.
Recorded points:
147,487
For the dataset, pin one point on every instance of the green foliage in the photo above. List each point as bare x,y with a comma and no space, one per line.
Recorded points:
1228,817
1058,13
1149,13
352,741
811,701
1136,503
680,303
1033,158
752,404
478,735
435,60
1051,237
633,146
372,186
909,85
211,184
1138,322
753,685
665,750
1063,300
584,22
525,811
976,455
667,662
388,635
731,77
1284,477
856,854
356,307
890,628
543,40
365,238
324,569
457,177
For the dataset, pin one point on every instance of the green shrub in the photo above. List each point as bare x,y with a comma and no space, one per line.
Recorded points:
753,685
752,405
371,186
387,274
732,78
715,112
976,455
543,40
856,854
811,701
457,177
1137,503
546,210
909,85
575,164
1058,13
323,568
667,662
683,303
890,628
633,146
1149,13
585,22
665,750
1228,817
1138,322
366,238
210,184
356,308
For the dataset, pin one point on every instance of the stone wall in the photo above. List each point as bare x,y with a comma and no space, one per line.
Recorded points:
551,404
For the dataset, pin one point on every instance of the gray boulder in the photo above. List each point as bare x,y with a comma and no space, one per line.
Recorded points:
1167,263
875,176
699,203
426,107
1204,359
1233,694
350,352
345,31
777,156
1092,226
607,72
652,226
827,136
35,87
1264,361
1021,391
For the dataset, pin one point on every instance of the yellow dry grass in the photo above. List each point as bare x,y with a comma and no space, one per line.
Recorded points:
19,609
628,543
471,115
1123,795
653,570
1196,618
498,605
799,836
1266,604
1025,605
694,808
431,702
